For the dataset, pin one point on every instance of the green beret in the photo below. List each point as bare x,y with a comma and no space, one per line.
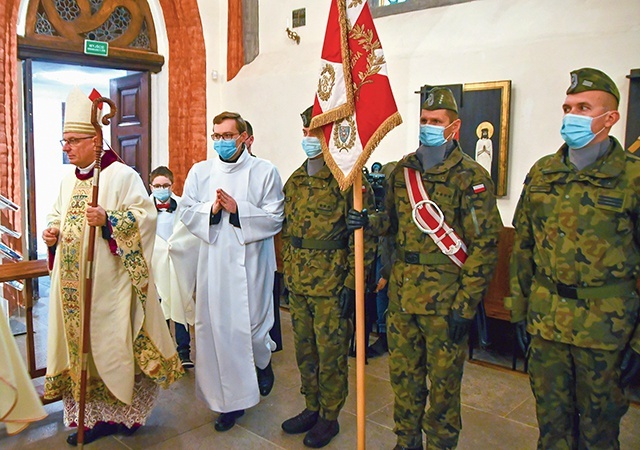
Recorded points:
306,117
440,98
588,79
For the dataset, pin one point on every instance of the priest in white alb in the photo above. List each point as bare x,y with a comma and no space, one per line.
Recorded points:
131,351
234,204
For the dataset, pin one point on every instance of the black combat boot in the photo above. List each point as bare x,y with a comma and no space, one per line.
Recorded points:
321,434
301,423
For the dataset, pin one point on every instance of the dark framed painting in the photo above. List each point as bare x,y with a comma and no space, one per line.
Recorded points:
632,137
484,109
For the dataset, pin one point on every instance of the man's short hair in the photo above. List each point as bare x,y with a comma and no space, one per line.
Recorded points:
241,125
249,128
453,116
161,171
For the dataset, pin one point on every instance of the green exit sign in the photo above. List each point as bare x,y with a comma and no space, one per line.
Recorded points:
97,48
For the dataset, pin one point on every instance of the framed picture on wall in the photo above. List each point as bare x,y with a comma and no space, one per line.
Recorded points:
484,109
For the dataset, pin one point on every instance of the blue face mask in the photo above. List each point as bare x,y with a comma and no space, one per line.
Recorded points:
576,130
162,194
225,148
311,146
432,135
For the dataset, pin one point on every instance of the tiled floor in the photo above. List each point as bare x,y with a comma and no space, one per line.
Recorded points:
498,413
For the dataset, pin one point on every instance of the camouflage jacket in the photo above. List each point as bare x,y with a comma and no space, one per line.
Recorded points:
315,208
438,288
578,228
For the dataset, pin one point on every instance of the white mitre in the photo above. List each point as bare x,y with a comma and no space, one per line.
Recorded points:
77,113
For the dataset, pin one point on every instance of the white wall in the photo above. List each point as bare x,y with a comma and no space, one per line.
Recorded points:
533,43
214,27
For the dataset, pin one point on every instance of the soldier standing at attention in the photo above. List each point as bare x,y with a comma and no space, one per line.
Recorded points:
445,260
574,266
319,273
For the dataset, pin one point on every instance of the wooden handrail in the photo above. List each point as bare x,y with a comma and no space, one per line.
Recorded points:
23,270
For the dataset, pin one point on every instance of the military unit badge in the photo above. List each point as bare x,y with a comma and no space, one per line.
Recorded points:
574,80
344,134
430,99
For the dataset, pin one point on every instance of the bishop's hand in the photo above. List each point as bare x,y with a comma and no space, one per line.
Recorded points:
50,236
96,216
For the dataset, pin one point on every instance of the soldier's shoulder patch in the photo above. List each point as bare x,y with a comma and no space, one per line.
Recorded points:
478,188
613,201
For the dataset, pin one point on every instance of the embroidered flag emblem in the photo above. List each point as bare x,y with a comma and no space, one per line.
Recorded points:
479,188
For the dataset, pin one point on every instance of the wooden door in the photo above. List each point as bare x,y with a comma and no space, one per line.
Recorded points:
130,128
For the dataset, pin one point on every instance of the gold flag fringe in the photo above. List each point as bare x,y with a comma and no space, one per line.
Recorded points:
346,109
345,181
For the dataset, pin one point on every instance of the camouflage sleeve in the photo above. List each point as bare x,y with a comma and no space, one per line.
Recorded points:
369,234
635,337
286,240
521,266
482,224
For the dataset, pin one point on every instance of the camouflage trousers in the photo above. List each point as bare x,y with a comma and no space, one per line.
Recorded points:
579,402
419,346
321,339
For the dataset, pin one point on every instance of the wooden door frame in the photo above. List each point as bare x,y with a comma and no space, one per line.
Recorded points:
29,148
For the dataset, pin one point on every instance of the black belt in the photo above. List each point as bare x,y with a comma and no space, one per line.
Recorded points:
424,259
319,244
620,289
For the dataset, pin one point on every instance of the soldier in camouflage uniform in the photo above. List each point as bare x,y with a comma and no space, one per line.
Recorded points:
318,268
574,267
432,301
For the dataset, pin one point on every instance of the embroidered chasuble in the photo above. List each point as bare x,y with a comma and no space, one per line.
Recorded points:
132,352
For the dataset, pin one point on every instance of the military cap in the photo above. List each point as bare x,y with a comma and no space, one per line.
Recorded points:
306,116
440,98
588,79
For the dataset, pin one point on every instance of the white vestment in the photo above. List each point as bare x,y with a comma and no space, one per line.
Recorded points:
484,153
19,403
174,267
234,294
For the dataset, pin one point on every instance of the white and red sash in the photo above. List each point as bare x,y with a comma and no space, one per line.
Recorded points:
429,218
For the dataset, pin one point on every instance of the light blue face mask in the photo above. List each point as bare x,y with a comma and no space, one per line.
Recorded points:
225,148
432,135
576,130
162,194
311,146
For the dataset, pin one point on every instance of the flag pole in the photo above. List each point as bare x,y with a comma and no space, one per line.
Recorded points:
360,338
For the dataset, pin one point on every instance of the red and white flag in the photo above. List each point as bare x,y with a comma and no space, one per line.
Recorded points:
354,107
